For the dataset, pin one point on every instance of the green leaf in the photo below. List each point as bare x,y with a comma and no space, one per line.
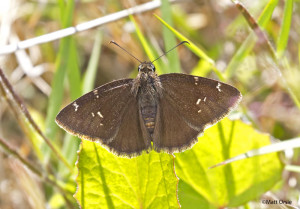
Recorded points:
189,198
57,85
285,28
56,95
230,185
169,39
91,72
267,13
73,70
107,181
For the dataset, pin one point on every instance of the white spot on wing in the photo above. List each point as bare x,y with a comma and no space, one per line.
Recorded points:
96,93
99,113
204,99
196,80
76,106
93,114
218,87
199,111
198,101
101,124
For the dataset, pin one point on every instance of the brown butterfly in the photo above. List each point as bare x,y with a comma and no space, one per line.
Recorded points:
128,115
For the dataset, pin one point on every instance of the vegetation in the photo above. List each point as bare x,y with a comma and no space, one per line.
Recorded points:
243,161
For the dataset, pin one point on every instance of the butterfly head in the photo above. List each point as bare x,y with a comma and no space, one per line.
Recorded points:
146,67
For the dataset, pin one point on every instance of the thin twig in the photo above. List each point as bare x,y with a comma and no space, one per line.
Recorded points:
262,38
16,101
11,48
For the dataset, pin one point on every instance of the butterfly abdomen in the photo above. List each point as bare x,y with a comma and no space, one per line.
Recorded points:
148,114
148,107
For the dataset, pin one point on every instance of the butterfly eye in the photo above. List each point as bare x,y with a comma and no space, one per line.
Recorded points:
153,68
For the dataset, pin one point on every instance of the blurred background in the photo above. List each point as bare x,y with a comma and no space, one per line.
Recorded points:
270,91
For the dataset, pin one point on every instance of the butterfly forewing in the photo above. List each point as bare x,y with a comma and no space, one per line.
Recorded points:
193,101
85,117
109,114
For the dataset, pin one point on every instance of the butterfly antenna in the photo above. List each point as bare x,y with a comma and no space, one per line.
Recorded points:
113,42
183,42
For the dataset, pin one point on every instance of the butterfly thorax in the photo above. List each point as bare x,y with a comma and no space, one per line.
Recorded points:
147,89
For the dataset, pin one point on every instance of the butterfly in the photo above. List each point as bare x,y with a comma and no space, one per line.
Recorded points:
164,113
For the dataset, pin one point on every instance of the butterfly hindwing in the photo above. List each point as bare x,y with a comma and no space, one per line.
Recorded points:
132,137
171,132
194,102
